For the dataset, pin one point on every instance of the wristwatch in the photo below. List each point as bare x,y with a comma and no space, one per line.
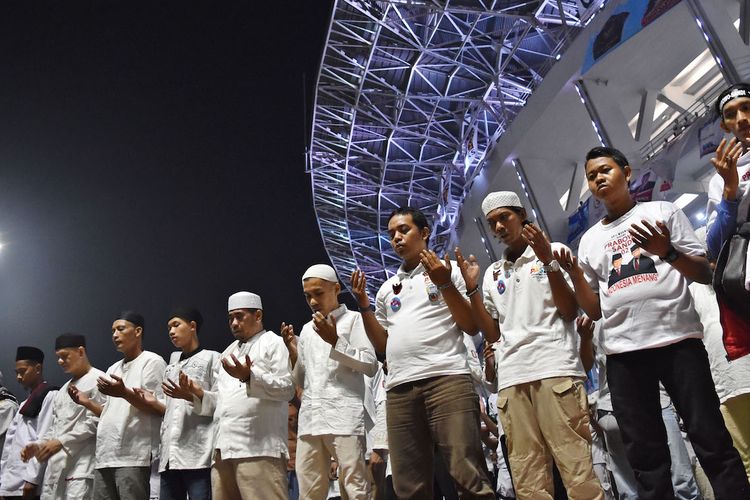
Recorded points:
552,267
672,255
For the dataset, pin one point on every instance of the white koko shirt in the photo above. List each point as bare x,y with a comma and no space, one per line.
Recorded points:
332,377
424,340
535,342
127,436
187,437
75,427
645,302
251,418
22,431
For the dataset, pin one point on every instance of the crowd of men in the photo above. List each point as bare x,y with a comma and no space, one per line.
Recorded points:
397,390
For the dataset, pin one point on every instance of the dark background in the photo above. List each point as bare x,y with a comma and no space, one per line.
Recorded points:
151,154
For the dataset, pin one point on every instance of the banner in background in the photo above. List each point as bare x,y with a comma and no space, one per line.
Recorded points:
626,20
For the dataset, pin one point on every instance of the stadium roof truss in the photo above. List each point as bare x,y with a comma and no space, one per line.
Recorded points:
411,96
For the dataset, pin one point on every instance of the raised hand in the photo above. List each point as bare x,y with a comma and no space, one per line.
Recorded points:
538,242
585,327
236,368
725,163
290,341
185,388
325,327
469,269
568,261
114,386
147,396
438,270
651,239
359,289
78,397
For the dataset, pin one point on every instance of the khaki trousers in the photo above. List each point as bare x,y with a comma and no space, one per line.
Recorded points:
314,461
246,478
736,413
545,420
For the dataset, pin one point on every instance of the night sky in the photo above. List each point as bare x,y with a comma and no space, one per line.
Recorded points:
151,154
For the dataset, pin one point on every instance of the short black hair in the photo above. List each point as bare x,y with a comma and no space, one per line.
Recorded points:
419,218
727,91
604,151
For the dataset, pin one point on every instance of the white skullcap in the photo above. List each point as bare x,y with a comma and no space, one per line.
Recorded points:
322,271
244,300
500,199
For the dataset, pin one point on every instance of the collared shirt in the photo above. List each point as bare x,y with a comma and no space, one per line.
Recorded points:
332,377
75,427
22,431
424,340
187,437
535,342
251,418
127,436
648,308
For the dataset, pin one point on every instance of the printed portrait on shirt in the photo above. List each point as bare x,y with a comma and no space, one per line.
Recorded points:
628,263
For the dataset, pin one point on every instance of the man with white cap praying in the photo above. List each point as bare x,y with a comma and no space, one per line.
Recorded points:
20,479
69,443
127,438
249,402
329,361
542,402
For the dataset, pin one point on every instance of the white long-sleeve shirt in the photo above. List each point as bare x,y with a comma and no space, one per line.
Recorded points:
332,377
187,437
75,427
127,436
251,417
22,431
8,409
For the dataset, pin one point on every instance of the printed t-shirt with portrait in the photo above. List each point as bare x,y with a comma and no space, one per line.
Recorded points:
423,338
645,302
535,342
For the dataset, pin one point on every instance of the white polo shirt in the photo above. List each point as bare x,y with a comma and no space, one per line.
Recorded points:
535,342
645,302
424,340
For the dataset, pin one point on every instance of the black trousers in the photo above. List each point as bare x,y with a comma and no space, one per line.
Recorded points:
684,371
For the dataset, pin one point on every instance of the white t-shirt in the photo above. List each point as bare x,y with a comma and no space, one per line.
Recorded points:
535,342
127,436
424,340
187,436
645,302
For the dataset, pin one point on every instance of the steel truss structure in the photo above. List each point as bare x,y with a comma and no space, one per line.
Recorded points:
411,96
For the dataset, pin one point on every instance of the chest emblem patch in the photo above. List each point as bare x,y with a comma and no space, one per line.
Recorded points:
500,287
395,304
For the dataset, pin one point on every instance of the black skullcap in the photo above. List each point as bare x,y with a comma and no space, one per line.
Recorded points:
188,314
133,317
70,340
28,353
